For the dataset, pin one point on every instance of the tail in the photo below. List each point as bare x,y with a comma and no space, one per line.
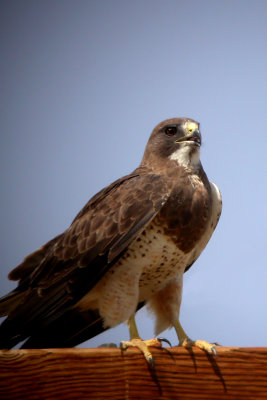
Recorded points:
69,330
10,301
11,327
8,304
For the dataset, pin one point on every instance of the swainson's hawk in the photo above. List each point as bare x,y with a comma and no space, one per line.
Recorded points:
129,246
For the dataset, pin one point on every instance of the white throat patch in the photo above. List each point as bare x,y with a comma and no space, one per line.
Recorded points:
185,157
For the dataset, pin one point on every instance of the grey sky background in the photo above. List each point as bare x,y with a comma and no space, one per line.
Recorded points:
83,83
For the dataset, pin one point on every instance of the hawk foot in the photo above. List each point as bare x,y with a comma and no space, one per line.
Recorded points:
201,344
143,345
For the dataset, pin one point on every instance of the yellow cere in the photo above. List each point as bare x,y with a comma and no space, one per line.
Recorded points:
191,126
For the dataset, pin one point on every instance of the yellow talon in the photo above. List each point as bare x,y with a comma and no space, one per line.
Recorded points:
186,342
142,345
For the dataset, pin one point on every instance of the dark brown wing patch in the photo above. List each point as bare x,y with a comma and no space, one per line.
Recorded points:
79,257
31,261
106,226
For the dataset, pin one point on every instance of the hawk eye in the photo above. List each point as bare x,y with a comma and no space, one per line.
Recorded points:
171,130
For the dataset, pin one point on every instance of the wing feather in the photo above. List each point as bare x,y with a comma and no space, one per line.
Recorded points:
214,218
73,262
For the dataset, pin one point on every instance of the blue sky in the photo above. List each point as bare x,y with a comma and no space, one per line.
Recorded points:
83,83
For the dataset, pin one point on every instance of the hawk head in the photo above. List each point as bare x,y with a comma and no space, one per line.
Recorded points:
177,139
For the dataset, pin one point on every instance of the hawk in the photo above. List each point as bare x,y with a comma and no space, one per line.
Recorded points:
128,247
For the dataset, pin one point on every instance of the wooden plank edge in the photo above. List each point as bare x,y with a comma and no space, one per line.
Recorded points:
236,373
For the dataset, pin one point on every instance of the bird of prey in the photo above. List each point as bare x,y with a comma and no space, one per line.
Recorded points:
128,247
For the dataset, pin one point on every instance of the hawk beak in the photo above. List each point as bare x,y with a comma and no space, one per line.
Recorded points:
194,137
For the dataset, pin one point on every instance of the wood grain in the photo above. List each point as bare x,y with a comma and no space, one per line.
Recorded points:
237,373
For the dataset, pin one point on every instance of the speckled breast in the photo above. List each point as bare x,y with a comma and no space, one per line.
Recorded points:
168,244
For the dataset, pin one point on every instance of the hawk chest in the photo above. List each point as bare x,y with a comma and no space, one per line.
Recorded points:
167,245
162,250
157,258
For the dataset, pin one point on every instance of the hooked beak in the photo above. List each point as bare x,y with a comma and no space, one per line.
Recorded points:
194,137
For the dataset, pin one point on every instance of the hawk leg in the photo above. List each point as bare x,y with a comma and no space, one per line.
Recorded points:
186,342
143,345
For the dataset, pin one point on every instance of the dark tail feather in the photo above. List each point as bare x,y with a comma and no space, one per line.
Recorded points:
69,330
10,333
10,302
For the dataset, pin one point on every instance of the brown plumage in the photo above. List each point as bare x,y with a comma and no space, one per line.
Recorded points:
128,246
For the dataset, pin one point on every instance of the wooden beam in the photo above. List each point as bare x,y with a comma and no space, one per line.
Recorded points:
237,373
